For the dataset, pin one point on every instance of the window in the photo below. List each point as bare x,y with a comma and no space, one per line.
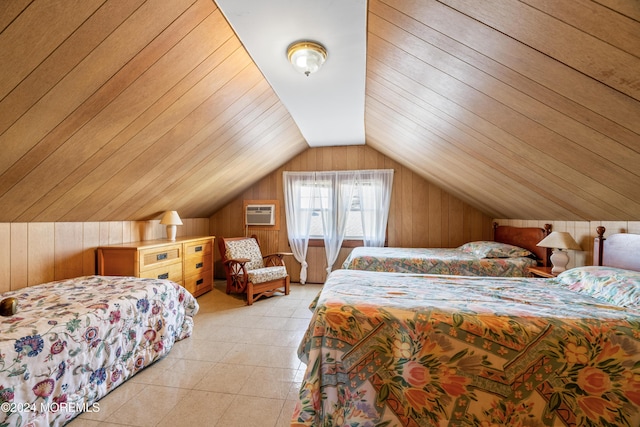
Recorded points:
353,228
334,206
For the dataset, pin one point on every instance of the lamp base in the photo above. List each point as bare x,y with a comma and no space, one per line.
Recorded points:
171,232
559,259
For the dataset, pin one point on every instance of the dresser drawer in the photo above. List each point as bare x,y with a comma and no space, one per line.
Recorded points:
170,271
156,257
187,261
195,265
195,249
199,283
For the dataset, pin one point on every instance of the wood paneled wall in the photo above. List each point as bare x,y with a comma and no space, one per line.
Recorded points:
38,252
421,214
582,231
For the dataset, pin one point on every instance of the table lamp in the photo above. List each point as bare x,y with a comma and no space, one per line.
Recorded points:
171,219
559,241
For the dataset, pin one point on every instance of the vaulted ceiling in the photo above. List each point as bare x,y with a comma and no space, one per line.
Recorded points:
121,109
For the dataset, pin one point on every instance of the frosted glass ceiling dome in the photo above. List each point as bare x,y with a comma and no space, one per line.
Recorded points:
307,57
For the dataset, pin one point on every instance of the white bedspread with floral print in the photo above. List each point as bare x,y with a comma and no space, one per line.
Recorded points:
73,341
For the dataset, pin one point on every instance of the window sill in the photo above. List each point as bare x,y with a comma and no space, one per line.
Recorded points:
319,243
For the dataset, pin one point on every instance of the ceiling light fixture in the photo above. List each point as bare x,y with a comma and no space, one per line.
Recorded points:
306,57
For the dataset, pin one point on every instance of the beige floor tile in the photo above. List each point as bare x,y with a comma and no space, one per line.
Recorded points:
238,369
198,408
109,404
259,308
262,355
158,366
270,337
222,333
280,310
273,323
284,420
197,349
273,383
302,313
225,378
149,406
207,322
181,374
248,411
294,390
296,324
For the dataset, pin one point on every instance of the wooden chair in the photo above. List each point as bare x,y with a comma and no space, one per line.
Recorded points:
250,272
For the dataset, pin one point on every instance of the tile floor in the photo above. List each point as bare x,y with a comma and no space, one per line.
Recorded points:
238,369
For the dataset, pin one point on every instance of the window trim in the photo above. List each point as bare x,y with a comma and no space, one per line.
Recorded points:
352,243
319,243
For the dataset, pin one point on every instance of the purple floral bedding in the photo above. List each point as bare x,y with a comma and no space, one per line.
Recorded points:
387,349
73,341
456,261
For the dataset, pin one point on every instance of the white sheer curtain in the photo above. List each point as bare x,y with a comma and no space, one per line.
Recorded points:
300,202
331,195
340,186
374,191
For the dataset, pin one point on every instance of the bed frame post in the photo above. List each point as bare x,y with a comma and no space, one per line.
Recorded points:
599,243
547,259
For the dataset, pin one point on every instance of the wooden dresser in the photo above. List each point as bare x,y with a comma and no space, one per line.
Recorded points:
187,261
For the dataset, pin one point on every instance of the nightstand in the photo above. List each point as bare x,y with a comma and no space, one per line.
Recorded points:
541,272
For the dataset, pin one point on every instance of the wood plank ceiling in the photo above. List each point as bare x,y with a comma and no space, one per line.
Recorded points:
121,109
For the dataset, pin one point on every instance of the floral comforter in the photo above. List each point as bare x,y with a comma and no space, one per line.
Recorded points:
435,261
385,349
73,341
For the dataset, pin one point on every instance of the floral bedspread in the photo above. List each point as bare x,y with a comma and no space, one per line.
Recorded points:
386,349
73,341
435,261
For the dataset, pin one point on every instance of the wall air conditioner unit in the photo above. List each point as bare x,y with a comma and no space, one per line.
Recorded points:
260,215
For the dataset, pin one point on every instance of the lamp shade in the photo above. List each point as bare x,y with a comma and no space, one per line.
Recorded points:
559,240
307,57
171,218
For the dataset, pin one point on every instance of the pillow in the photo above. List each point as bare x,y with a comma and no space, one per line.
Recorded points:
490,249
614,285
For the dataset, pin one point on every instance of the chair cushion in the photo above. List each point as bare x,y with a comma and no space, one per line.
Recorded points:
245,248
265,274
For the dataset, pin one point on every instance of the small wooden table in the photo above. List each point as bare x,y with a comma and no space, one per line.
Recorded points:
541,272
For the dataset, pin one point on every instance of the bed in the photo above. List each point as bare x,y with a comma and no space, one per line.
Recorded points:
510,254
73,341
392,349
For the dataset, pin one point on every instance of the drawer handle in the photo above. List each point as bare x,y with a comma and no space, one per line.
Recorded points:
198,248
163,276
199,265
160,257
199,282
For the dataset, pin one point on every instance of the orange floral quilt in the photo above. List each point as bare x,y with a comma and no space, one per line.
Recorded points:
435,261
387,349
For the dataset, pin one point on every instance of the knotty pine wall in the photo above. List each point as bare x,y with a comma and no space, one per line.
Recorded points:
38,252
421,214
582,231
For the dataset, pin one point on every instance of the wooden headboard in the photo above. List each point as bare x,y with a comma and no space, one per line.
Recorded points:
620,250
525,237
